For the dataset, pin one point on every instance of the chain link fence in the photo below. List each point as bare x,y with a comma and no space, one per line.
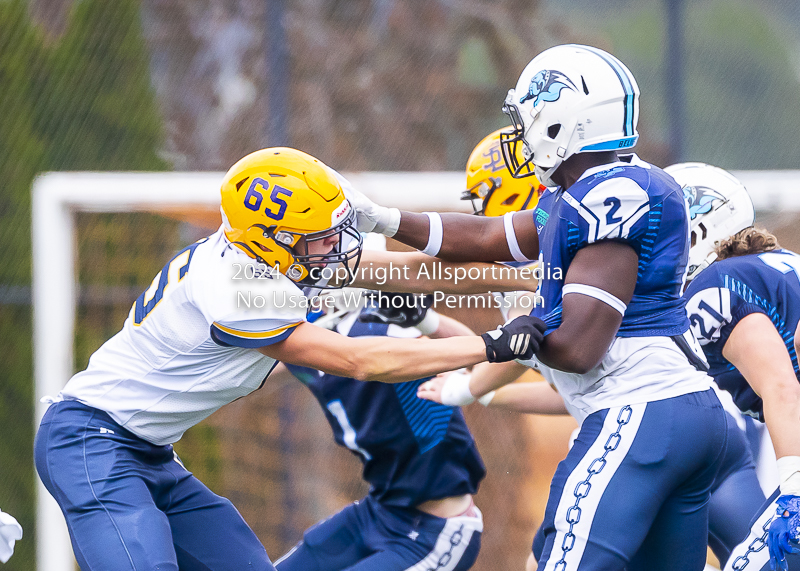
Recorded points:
156,85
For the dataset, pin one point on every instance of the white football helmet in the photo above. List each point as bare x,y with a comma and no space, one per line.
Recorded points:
719,207
569,99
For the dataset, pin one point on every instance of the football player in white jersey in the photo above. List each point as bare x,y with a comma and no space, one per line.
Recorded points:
199,338
618,347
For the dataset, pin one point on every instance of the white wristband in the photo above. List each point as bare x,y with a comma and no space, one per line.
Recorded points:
596,293
430,323
435,234
511,238
487,398
455,391
392,223
789,474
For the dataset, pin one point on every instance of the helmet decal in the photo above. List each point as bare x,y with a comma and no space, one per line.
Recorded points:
701,199
494,159
547,85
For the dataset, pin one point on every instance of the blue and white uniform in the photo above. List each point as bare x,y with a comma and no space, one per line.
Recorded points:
636,482
717,299
104,447
413,451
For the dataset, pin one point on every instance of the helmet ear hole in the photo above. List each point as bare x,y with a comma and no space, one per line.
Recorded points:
510,200
703,228
553,130
694,239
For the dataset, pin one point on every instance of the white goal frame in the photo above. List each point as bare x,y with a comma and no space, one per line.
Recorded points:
58,196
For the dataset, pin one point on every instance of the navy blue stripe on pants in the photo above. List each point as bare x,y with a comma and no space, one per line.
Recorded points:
130,505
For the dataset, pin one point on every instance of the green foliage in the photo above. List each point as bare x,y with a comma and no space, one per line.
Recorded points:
81,102
21,151
742,92
99,112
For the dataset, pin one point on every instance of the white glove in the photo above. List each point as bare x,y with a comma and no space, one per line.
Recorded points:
10,531
370,217
455,391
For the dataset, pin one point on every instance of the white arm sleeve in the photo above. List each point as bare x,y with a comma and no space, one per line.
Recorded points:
511,238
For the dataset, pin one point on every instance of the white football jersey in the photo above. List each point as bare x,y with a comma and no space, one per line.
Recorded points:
186,347
634,370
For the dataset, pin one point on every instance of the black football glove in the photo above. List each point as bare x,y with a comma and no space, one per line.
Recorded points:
517,339
410,313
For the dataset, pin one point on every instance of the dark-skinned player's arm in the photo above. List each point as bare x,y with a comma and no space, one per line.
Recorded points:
414,272
451,236
588,324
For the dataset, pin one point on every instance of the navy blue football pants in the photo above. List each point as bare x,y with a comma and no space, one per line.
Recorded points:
633,492
367,536
131,506
736,497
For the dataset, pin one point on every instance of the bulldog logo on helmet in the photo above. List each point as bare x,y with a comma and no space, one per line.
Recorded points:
547,85
701,199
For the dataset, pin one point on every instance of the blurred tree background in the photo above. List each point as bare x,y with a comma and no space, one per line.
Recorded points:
370,85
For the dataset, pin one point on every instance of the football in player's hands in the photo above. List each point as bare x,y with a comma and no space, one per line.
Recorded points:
517,339
784,532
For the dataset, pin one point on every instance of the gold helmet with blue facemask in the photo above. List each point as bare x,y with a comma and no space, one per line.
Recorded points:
280,205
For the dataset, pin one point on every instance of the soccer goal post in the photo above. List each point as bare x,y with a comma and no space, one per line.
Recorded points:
59,197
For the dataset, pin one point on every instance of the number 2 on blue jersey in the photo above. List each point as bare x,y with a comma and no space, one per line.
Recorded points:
173,272
614,203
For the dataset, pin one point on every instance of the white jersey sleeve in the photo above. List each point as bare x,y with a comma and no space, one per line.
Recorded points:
251,305
186,348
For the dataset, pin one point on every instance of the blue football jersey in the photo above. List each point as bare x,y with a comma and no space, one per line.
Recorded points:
542,211
413,450
631,202
728,290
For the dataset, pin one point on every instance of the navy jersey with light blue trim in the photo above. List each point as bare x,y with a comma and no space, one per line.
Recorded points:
635,203
541,214
729,290
413,450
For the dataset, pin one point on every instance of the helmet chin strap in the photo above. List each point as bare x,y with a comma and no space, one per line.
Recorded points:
544,175
703,265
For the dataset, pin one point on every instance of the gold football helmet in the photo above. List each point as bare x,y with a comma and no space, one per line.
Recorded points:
490,182
283,208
